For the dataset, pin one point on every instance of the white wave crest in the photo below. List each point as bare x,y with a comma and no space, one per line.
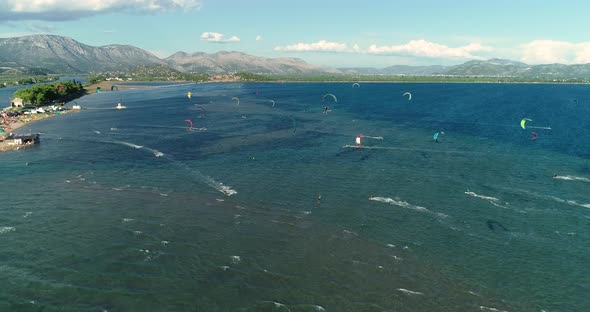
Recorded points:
491,309
135,146
154,151
569,202
482,196
572,178
235,259
410,292
492,200
6,229
128,144
404,204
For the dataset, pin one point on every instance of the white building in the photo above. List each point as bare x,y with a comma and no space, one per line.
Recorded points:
17,102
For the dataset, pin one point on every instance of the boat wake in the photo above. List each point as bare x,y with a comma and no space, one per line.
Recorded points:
227,190
410,292
135,146
404,204
411,149
492,200
128,144
569,202
484,308
572,178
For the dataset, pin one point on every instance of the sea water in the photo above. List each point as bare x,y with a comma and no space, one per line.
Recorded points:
261,208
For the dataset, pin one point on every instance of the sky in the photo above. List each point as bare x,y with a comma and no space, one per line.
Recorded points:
360,33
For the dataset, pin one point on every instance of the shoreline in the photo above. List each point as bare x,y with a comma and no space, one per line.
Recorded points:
5,145
105,86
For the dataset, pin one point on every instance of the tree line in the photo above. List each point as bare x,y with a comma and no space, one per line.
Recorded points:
43,94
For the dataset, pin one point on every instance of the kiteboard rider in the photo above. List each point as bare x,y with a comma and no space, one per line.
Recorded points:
435,136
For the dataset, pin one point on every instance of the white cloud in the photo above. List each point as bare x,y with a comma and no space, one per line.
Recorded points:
218,38
550,51
425,48
59,10
320,46
258,37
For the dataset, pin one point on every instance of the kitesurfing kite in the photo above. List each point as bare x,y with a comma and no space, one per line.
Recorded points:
409,95
523,122
356,84
189,94
535,136
235,98
329,95
523,125
191,124
273,103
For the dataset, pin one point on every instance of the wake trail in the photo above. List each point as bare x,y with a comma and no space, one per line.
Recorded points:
492,200
199,177
225,189
404,204
572,178
412,149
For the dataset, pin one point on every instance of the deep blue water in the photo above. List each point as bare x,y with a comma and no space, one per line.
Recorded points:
485,219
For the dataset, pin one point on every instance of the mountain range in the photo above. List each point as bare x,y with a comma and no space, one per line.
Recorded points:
58,54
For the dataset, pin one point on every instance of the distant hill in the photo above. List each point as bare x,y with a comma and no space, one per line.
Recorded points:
232,62
414,70
490,68
24,71
65,55
43,54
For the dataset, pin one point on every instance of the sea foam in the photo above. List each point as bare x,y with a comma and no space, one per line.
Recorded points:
572,178
404,204
492,200
6,229
410,292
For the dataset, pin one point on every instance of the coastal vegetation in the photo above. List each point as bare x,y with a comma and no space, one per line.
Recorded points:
16,80
46,93
148,73
408,78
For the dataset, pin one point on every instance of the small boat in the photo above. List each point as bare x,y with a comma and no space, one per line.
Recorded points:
120,106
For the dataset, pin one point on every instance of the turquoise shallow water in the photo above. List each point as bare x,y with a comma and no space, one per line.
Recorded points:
485,219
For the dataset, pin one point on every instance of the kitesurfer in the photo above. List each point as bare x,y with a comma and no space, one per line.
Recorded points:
435,136
325,111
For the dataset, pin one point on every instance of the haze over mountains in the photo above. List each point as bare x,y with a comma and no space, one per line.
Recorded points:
59,54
